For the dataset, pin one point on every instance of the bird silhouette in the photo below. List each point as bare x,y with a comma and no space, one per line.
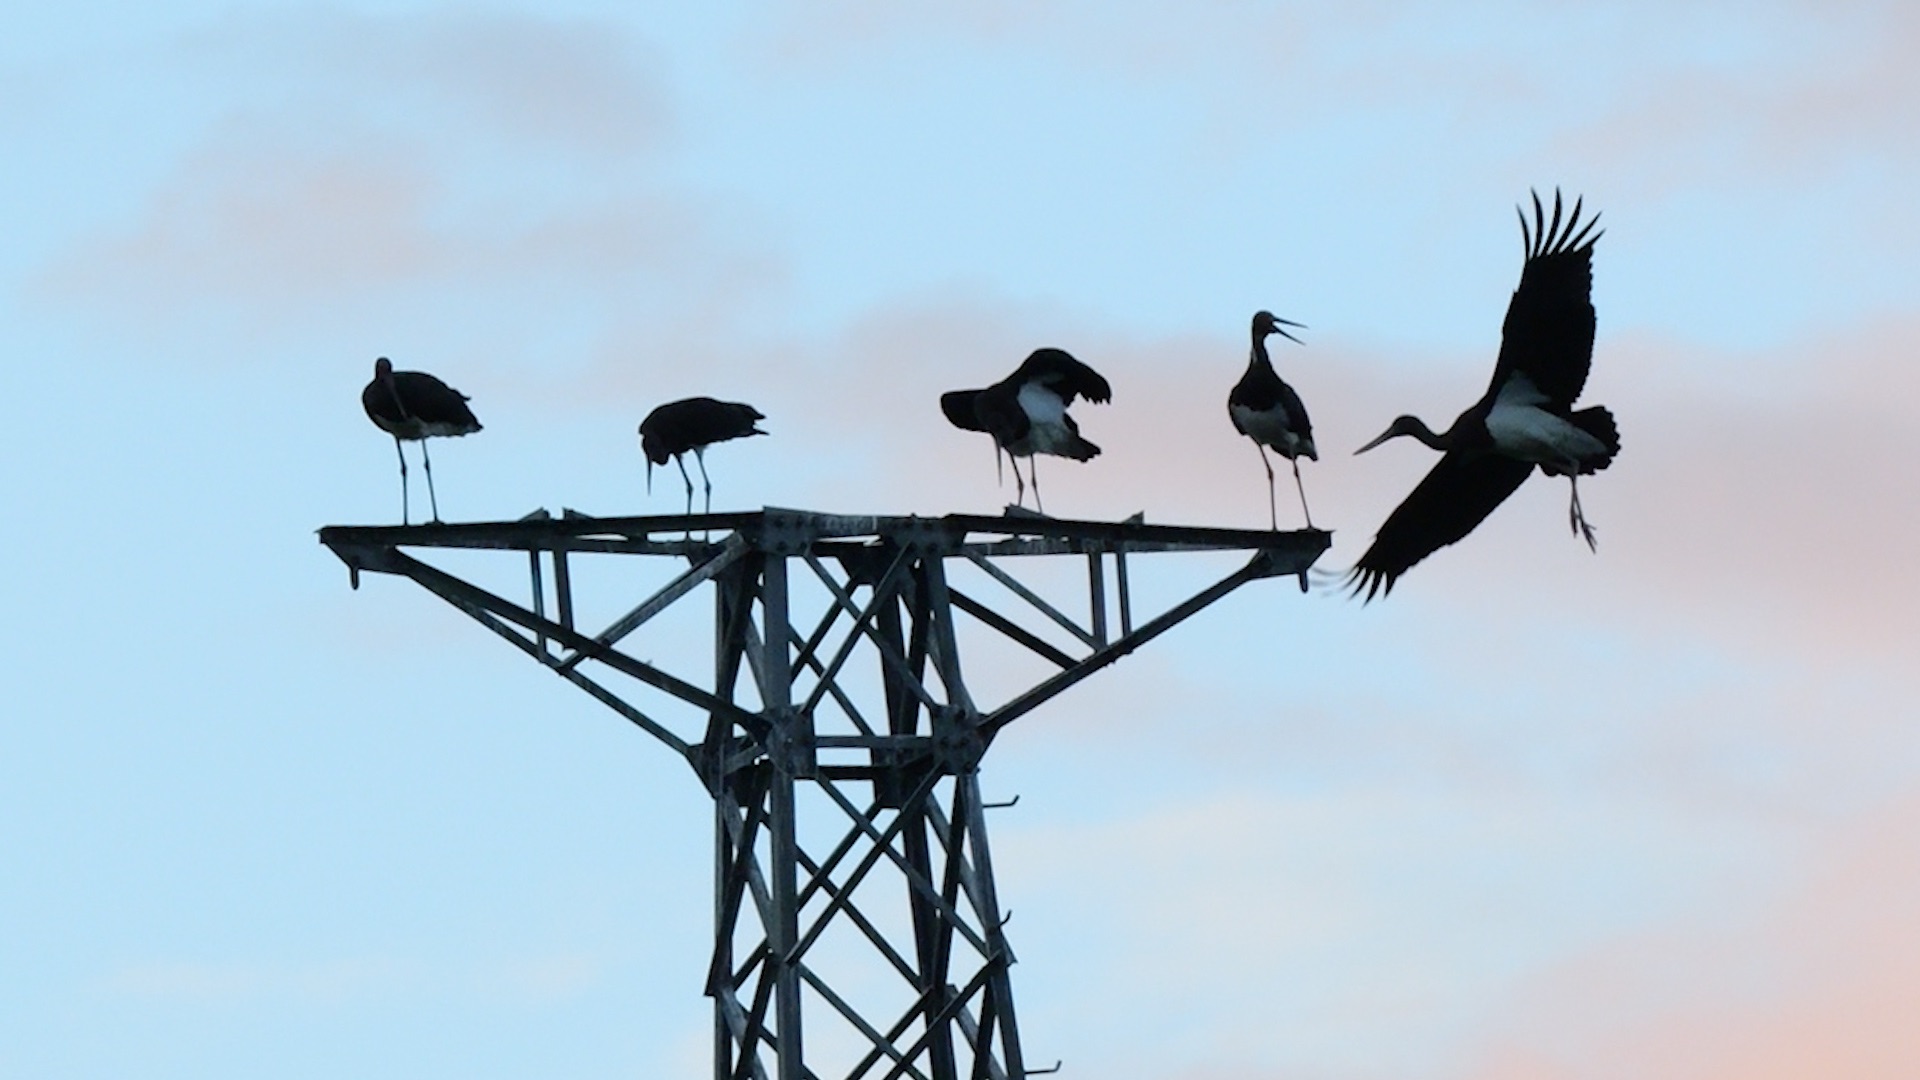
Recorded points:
1525,419
1265,409
693,424
1026,412
414,406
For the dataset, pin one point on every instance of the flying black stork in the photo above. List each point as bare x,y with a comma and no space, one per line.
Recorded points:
415,406
1526,418
1026,412
693,424
1265,409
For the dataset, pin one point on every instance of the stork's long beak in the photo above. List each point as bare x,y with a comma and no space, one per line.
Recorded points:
1280,324
1390,433
649,476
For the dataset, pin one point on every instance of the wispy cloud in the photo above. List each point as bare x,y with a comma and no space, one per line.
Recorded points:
398,171
252,219
590,88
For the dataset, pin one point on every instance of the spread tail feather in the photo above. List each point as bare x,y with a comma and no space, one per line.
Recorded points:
1598,422
1080,450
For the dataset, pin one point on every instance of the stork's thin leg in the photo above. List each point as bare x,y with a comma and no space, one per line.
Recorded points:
681,460
1033,467
1303,493
1019,482
431,497
1577,517
403,480
700,458
1273,506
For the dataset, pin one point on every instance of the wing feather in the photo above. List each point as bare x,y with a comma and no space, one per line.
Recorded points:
1548,333
1065,375
428,400
1456,496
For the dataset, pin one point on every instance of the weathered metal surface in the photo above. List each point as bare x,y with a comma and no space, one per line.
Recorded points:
874,589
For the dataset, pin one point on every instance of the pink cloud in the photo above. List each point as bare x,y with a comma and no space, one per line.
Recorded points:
241,215
1824,983
1777,504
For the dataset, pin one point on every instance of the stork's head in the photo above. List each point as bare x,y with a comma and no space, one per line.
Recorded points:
655,453
1406,425
1265,322
383,369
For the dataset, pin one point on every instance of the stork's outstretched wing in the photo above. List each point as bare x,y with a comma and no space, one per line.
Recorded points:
1060,372
961,409
1548,335
1454,498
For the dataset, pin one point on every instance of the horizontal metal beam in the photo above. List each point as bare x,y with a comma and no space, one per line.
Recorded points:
795,531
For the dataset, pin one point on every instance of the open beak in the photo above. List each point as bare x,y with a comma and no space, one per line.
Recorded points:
1281,324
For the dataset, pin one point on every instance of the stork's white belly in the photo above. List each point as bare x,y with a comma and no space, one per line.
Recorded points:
414,429
1532,434
1047,414
1272,427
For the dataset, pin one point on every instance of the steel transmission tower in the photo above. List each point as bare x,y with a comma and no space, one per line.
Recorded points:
834,799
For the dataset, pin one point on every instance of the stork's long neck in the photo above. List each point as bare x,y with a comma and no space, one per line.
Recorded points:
393,391
1257,357
1418,428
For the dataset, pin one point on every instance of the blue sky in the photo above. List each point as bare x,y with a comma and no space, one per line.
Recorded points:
1543,814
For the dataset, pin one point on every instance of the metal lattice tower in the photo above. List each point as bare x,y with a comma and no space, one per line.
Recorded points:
834,802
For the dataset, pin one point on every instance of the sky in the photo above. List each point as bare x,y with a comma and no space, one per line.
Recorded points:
1542,814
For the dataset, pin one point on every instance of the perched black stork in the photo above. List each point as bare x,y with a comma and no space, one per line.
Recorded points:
414,405
1026,412
1266,410
1526,418
693,424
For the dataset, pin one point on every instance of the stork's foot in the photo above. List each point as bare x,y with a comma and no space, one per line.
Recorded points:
1577,521
1581,528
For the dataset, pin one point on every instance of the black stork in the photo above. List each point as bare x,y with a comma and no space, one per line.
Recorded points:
1026,412
415,406
1265,409
693,424
1526,418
